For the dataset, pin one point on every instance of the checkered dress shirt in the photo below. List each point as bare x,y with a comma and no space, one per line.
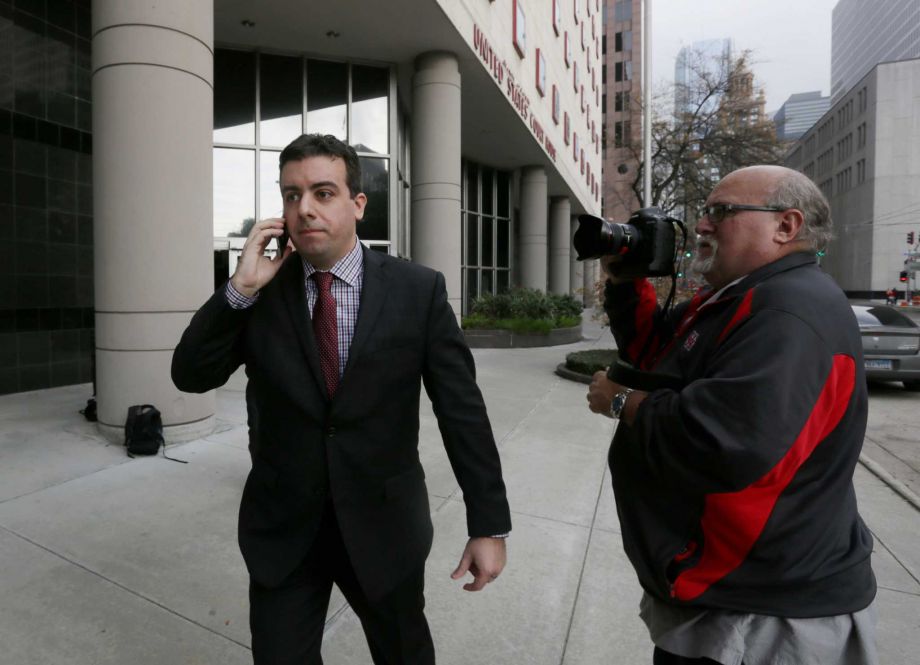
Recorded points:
348,276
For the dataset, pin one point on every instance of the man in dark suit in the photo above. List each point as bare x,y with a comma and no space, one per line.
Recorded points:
336,343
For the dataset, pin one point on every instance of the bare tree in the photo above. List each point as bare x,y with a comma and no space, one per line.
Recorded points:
717,125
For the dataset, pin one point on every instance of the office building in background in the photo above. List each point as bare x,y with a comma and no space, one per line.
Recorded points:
865,33
799,113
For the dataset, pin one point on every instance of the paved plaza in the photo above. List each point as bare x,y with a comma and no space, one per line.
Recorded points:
110,560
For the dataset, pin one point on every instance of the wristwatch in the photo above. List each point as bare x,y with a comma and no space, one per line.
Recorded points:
618,403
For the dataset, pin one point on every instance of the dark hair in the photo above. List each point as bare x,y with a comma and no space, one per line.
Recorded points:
325,145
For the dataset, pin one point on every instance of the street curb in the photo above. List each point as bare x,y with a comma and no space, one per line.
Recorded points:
566,373
876,469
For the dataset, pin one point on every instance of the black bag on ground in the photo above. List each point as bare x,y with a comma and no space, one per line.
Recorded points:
143,430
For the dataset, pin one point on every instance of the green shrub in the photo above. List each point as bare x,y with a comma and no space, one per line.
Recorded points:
524,310
590,361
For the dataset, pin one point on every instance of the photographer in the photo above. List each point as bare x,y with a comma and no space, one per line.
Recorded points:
735,491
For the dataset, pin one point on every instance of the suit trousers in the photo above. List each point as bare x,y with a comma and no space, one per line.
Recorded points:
287,621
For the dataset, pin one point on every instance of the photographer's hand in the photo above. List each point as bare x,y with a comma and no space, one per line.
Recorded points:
602,391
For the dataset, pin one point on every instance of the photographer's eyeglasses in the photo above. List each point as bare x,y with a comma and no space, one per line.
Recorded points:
719,211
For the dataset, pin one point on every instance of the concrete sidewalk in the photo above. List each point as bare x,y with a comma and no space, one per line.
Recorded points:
111,560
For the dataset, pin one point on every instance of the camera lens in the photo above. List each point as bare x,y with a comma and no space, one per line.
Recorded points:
596,237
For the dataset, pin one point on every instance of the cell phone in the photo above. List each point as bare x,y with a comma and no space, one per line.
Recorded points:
283,241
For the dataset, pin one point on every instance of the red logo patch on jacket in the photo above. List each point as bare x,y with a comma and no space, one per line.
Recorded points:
691,340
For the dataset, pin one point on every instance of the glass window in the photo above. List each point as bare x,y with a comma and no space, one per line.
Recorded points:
627,40
487,279
618,42
472,285
487,241
369,109
280,100
375,181
503,192
503,242
327,97
869,317
269,191
487,191
234,97
503,281
472,239
234,192
472,187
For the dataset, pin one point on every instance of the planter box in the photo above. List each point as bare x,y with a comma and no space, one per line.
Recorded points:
506,339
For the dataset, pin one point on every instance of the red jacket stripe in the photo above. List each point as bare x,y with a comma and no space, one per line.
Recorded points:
644,317
743,311
733,521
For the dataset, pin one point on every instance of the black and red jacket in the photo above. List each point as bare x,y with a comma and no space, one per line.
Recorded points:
736,491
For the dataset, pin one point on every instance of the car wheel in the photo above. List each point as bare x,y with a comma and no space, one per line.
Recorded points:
913,386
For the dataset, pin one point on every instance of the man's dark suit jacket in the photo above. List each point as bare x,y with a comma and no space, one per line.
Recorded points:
361,448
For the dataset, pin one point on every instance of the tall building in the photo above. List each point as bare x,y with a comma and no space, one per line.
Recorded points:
622,107
798,113
476,124
712,58
864,34
863,155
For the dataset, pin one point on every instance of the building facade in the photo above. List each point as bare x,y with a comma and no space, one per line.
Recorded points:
799,113
478,137
863,155
622,106
864,34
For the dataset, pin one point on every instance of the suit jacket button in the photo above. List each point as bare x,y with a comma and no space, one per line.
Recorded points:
330,432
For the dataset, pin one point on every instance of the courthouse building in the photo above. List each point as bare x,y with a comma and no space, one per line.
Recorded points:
139,141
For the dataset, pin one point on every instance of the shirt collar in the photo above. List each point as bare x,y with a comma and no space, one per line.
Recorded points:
349,268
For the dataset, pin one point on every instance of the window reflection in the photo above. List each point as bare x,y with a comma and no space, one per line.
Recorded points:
327,96
375,182
280,99
269,192
369,120
234,192
234,97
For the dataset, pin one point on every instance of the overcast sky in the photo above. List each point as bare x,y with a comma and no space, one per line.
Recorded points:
791,39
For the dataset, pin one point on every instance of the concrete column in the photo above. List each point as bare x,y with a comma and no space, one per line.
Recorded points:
533,228
436,176
152,191
576,269
559,244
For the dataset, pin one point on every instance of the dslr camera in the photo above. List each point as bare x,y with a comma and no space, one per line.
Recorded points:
646,242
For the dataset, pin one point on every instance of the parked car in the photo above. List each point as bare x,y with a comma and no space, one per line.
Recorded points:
891,344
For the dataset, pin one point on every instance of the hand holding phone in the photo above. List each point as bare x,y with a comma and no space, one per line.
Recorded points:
283,241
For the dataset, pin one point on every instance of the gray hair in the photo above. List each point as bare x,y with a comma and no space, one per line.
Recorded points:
796,190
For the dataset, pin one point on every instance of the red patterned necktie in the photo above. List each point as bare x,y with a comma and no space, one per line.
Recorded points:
325,330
